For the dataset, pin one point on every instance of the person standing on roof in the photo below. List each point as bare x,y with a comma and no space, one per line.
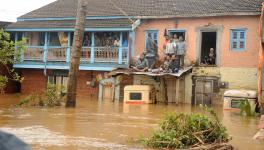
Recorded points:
170,48
181,50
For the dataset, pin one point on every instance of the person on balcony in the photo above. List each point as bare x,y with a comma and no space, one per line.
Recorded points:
141,64
116,42
87,41
181,51
125,43
104,40
97,41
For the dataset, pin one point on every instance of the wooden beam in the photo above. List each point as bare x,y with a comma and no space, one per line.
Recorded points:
177,96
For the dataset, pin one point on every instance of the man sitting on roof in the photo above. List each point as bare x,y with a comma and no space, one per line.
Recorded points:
141,64
174,64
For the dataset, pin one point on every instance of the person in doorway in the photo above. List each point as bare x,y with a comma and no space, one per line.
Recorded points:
181,50
141,64
175,38
174,64
210,60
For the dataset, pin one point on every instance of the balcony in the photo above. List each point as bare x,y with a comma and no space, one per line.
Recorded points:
56,57
101,50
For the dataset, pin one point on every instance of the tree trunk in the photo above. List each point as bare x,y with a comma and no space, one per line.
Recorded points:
75,54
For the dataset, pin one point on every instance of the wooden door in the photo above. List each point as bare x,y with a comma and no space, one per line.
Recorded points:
107,92
203,92
171,92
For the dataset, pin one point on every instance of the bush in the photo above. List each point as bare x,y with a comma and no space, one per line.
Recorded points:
182,131
50,97
245,108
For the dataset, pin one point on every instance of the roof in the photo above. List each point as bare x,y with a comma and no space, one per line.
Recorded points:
99,23
4,24
161,74
150,8
61,13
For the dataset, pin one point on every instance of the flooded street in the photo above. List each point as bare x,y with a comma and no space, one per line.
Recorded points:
106,125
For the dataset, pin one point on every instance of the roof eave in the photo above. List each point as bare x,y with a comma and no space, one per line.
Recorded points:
201,15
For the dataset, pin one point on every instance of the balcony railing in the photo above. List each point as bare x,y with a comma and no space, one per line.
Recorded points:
88,54
34,53
57,54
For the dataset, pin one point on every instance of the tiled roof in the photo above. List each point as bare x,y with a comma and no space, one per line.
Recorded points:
150,8
107,23
4,24
135,8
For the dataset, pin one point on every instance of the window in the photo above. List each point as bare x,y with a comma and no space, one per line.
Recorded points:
179,33
151,41
238,39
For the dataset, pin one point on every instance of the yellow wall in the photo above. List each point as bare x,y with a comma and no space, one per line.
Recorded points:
237,78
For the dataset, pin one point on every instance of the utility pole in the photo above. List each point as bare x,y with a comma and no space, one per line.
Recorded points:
76,54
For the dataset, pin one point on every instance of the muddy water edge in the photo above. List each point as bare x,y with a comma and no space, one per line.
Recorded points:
104,125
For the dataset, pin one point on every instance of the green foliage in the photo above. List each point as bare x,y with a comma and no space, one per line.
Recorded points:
10,53
50,98
180,131
245,108
3,81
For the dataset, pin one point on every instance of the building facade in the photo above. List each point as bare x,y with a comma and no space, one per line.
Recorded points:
118,33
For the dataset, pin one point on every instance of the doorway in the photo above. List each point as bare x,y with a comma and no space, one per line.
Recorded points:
208,41
204,89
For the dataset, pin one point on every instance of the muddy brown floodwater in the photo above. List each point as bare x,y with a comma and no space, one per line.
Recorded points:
105,125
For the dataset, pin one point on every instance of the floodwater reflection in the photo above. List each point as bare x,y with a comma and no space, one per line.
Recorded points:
105,125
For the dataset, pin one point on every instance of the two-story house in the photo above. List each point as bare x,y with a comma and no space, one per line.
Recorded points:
230,27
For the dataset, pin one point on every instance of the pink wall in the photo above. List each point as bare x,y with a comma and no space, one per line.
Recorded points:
228,58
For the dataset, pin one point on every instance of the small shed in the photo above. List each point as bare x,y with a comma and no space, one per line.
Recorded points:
169,87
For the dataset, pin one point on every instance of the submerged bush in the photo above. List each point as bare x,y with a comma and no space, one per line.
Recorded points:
246,109
183,131
50,97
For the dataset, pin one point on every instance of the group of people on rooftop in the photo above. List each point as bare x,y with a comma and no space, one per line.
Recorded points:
175,50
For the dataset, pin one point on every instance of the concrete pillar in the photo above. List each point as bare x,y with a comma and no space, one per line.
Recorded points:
92,49
120,51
